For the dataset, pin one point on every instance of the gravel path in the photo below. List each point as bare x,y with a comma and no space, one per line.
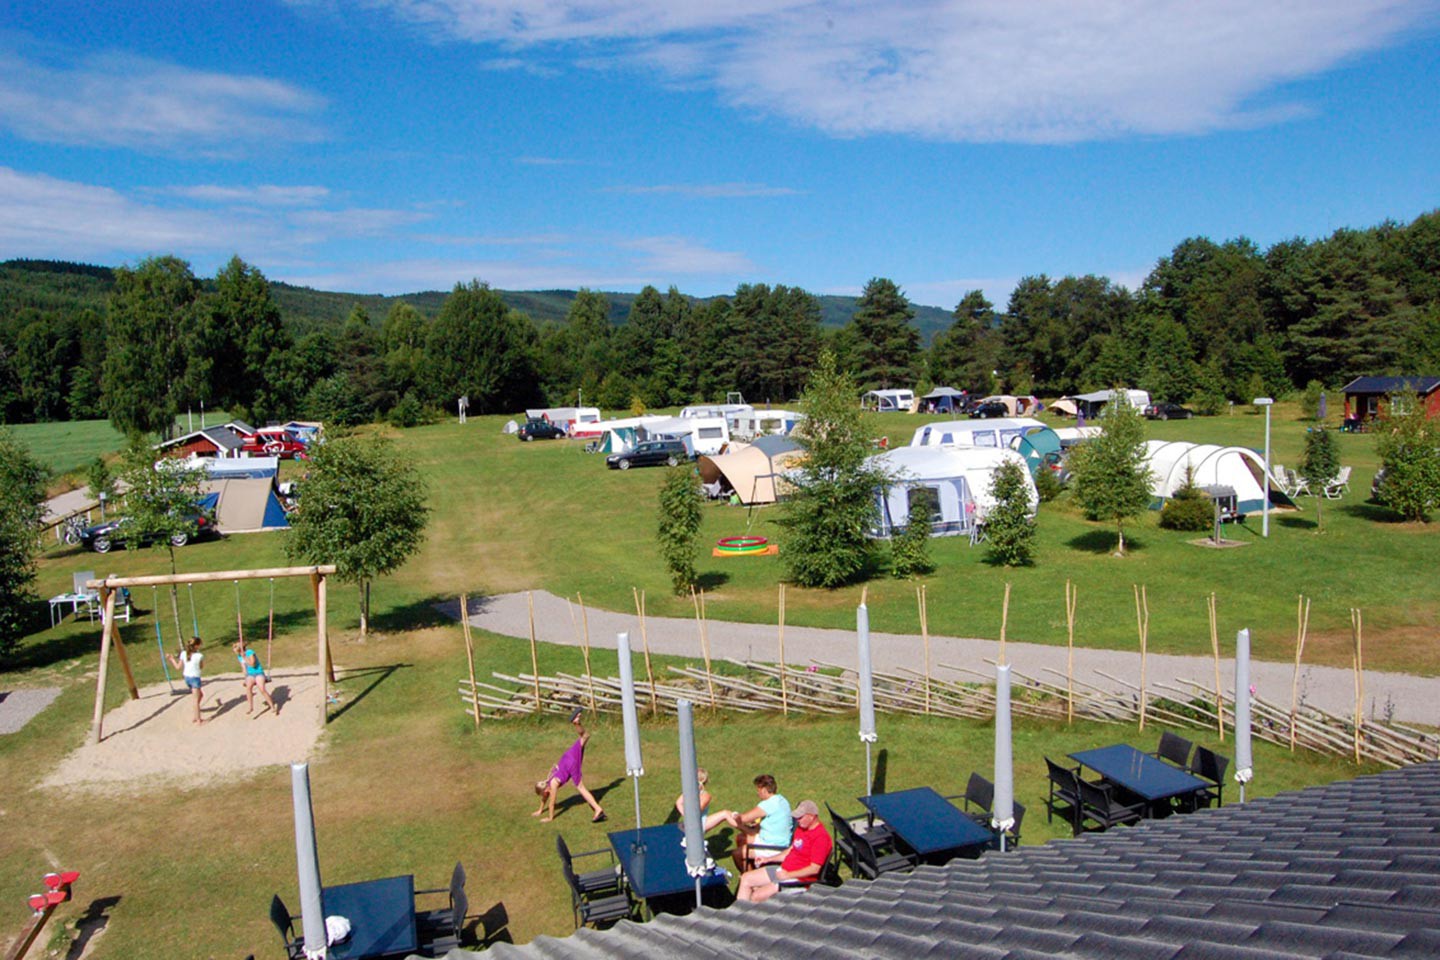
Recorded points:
1412,699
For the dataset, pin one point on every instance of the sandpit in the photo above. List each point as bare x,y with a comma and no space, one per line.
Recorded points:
152,741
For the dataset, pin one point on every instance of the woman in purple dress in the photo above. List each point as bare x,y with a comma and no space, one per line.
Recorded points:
569,769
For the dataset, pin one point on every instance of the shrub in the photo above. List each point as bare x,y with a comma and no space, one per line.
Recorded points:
910,549
679,525
1409,448
1009,525
408,412
1310,400
1048,485
1190,508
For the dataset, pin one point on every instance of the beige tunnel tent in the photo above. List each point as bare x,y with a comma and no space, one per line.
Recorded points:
752,471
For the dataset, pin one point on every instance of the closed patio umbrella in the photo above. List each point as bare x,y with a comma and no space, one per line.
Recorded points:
1002,814
867,692
697,863
1243,761
634,765
1324,407
307,862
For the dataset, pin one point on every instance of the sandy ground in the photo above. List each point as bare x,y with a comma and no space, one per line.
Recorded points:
154,739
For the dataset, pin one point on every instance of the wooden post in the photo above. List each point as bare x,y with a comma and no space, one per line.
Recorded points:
534,657
784,695
106,629
645,643
925,639
1072,593
1004,621
1215,655
1356,633
585,649
107,600
1302,626
705,649
470,654
1142,623
325,668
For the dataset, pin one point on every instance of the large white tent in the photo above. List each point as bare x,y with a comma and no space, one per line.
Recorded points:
1213,465
956,482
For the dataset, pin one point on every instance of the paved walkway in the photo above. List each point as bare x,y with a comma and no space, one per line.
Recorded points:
1412,699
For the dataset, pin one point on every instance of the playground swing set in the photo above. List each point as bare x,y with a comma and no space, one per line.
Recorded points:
109,589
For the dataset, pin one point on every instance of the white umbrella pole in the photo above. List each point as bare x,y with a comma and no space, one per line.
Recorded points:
1244,763
307,862
634,764
1002,816
867,691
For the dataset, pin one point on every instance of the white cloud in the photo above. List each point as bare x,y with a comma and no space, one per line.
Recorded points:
265,195
665,257
709,190
968,70
120,100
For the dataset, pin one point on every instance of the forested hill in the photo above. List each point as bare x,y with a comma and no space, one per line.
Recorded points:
52,286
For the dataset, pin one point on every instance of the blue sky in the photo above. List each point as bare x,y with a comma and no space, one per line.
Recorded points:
391,146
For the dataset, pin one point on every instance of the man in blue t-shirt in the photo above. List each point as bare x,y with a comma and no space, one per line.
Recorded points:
765,829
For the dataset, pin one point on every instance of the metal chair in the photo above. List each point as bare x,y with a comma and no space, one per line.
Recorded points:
979,798
1012,836
441,930
867,858
285,924
1174,749
1098,804
597,897
1210,767
1064,797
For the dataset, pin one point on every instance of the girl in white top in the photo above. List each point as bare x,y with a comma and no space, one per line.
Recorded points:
189,663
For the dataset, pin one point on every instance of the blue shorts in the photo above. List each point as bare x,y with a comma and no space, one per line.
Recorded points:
193,683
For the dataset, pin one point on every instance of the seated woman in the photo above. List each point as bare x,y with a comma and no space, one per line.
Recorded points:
710,820
765,829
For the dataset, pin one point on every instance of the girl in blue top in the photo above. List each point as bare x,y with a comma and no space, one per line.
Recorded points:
254,677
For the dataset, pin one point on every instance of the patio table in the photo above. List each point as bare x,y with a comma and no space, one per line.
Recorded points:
928,823
1151,779
381,915
654,863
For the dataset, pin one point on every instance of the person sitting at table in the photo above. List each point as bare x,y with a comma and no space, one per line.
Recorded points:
799,866
765,828
568,769
710,820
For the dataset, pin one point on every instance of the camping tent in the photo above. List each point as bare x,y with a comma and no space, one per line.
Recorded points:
753,470
945,400
1014,406
1065,407
242,495
955,481
1213,465
1090,404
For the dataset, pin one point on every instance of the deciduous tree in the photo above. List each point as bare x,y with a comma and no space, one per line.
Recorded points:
22,497
1408,443
1109,474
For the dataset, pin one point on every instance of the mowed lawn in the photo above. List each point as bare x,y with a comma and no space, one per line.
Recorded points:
403,783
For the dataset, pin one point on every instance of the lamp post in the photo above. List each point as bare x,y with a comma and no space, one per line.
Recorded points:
1267,403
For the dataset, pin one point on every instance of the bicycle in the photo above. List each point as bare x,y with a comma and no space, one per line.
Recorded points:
71,529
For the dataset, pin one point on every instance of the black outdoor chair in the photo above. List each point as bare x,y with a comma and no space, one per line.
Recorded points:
1064,797
978,798
280,916
867,856
1098,804
1174,749
440,930
597,897
1210,767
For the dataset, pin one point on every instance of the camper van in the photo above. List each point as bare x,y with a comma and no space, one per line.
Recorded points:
888,401
1003,433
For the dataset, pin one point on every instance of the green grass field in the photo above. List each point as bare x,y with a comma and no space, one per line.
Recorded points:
68,447
402,782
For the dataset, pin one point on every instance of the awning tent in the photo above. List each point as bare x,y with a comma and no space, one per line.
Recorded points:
955,482
943,400
752,472
1213,465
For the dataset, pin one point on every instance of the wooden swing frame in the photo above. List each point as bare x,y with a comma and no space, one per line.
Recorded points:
109,588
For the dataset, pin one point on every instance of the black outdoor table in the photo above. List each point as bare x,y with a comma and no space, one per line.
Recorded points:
1150,779
381,915
654,863
928,823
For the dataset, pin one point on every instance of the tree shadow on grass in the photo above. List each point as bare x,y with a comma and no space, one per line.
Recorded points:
1374,512
54,649
711,580
433,611
1104,542
376,676
1296,523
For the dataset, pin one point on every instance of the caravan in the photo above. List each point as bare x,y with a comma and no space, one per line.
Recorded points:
955,483
888,401
701,435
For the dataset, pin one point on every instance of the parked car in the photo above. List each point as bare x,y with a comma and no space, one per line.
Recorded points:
103,537
538,428
990,408
274,442
1164,410
651,453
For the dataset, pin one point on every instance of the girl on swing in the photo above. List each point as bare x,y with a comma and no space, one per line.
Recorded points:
254,677
188,663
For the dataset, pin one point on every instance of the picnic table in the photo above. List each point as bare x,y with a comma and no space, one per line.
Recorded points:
934,828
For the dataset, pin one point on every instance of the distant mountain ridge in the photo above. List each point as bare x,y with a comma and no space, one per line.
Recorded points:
304,308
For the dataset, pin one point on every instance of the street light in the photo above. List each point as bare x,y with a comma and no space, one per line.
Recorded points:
1267,403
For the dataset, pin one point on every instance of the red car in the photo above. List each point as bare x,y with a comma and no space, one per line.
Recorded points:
274,442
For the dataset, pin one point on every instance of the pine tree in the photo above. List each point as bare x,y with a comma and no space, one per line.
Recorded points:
889,347
910,548
1009,526
1319,465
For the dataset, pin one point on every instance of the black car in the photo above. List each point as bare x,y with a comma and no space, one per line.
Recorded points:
990,408
651,453
103,537
1164,410
538,429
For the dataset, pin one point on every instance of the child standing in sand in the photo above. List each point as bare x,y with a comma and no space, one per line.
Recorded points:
568,769
189,663
254,677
